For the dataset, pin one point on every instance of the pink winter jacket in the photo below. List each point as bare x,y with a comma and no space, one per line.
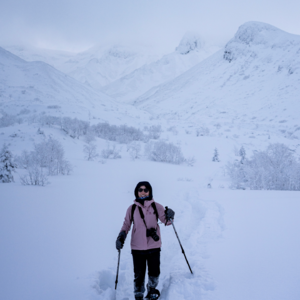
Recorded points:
139,240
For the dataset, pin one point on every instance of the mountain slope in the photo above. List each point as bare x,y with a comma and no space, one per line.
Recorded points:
256,76
95,67
190,52
39,86
100,66
55,58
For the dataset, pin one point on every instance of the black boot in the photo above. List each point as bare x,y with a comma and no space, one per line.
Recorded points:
153,294
139,298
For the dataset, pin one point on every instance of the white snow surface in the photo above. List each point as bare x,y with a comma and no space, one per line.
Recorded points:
58,241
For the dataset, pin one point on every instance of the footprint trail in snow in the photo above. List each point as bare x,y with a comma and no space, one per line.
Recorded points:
198,222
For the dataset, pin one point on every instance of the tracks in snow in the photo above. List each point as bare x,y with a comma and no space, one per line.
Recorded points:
198,223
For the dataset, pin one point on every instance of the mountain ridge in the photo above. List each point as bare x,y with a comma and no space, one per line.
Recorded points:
38,86
247,76
190,51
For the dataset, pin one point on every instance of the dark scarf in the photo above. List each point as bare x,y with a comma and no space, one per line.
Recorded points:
142,200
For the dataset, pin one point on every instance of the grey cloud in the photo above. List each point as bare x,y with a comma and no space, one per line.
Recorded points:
76,24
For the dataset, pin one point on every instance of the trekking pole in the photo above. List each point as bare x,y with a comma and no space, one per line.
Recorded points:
180,243
118,269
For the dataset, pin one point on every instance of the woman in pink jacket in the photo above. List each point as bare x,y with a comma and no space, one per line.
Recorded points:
145,238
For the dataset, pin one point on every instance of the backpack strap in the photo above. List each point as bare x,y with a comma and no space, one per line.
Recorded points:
155,210
132,212
141,212
142,216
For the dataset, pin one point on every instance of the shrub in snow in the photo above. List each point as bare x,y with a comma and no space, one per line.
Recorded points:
24,111
35,176
7,166
9,120
164,152
54,107
39,131
122,134
89,137
49,121
173,130
216,156
134,150
273,169
153,131
90,151
202,131
74,127
49,155
110,152
242,154
190,161
127,134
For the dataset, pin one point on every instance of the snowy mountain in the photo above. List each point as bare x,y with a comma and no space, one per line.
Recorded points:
39,86
55,58
255,78
100,66
95,67
190,51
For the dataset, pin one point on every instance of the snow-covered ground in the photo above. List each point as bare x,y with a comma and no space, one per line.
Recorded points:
58,241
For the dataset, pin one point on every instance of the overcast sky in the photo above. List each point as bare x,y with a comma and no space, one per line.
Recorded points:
76,24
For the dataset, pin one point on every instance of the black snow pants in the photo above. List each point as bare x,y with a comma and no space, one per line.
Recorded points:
141,259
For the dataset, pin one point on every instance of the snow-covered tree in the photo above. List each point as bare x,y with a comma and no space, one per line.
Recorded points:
164,152
242,154
276,168
216,155
7,165
134,150
35,176
90,151
49,155
110,152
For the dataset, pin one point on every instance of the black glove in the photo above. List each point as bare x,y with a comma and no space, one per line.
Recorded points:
169,214
120,240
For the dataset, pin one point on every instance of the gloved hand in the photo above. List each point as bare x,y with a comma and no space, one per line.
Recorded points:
169,214
120,240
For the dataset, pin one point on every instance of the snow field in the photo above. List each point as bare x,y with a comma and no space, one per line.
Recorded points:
59,240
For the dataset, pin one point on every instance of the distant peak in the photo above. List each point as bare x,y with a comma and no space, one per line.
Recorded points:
252,34
190,42
6,55
257,33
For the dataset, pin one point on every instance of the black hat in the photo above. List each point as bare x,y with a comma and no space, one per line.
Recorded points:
147,185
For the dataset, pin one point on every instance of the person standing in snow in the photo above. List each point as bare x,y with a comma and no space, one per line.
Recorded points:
145,238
